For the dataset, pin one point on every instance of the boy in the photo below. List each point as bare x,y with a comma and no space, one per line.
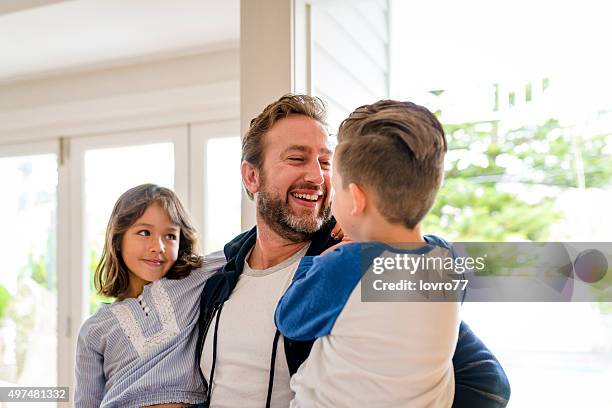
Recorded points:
388,167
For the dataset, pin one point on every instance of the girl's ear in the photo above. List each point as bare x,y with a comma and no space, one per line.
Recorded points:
358,197
250,177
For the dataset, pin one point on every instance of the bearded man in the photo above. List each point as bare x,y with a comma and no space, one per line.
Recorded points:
286,168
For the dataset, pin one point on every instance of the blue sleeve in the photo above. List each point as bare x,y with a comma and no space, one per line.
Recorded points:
322,285
90,379
480,380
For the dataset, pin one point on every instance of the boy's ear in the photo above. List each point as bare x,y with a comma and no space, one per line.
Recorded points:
250,177
358,197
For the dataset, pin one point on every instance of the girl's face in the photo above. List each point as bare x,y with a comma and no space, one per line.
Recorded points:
149,248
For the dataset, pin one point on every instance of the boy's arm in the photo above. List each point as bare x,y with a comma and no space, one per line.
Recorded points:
480,380
90,380
321,286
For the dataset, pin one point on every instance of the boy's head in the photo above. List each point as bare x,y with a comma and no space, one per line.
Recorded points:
392,154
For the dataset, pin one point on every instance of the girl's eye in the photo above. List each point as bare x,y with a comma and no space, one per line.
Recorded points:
144,233
171,237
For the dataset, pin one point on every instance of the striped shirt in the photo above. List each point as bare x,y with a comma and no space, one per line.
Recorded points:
141,351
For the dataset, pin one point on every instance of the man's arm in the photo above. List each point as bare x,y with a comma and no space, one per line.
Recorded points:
480,380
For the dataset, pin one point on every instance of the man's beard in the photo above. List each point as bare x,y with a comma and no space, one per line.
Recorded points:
278,214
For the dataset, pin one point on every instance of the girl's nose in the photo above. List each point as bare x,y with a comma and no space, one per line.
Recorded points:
158,246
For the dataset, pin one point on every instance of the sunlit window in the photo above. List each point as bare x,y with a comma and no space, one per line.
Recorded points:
223,192
108,173
28,281
523,90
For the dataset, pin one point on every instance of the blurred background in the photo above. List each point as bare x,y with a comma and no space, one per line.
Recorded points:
99,96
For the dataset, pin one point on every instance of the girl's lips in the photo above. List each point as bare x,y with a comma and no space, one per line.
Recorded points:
153,263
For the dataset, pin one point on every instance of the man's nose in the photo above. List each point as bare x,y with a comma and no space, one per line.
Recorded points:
314,173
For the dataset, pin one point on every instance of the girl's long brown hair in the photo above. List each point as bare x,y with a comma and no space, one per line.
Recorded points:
112,278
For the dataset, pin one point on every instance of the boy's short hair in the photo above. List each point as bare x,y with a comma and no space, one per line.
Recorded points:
396,150
289,104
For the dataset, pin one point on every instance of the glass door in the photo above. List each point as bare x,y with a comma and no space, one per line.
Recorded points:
216,183
28,282
104,167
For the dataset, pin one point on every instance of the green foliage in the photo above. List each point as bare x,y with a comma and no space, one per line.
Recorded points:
36,269
40,273
501,184
94,299
5,297
475,202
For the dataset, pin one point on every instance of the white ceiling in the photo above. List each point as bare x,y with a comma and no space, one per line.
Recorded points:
55,37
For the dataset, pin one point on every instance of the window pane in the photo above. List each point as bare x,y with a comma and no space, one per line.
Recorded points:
528,116
525,162
223,192
28,281
109,173
350,50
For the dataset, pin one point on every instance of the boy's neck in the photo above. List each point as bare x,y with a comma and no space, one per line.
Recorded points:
379,229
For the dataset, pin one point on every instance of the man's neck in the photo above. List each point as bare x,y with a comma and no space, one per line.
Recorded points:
270,248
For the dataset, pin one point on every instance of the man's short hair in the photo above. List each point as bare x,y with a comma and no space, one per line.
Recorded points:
253,141
396,151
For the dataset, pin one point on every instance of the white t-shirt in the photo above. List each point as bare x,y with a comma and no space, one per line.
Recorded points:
385,353
245,337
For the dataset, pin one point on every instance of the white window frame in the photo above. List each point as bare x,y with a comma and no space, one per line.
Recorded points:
199,135
77,262
62,239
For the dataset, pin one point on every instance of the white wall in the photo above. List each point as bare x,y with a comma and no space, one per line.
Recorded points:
350,57
196,88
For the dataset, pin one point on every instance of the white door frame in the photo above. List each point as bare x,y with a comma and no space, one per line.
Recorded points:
199,135
77,262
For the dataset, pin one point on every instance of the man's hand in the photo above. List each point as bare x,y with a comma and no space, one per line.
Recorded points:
340,236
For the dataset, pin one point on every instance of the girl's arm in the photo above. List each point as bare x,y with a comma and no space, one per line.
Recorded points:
90,380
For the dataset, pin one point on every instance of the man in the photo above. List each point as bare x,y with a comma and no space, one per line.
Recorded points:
286,167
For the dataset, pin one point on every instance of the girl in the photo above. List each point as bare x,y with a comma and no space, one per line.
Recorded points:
139,350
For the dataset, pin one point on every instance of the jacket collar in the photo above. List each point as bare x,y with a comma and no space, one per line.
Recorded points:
236,250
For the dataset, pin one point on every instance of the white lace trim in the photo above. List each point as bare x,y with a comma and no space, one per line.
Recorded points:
167,318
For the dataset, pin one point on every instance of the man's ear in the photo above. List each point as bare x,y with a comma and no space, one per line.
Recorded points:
250,177
358,196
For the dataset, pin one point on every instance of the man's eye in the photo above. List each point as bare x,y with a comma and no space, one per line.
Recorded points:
171,237
144,233
296,159
326,163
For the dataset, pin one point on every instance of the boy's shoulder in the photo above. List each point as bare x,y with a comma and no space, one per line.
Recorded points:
437,241
346,255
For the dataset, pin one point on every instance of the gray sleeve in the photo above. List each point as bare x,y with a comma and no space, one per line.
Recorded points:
89,370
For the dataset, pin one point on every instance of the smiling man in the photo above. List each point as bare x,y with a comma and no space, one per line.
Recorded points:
286,168
293,181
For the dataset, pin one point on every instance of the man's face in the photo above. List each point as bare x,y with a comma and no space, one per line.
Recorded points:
294,188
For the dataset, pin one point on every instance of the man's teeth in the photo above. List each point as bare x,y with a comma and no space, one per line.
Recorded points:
307,196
